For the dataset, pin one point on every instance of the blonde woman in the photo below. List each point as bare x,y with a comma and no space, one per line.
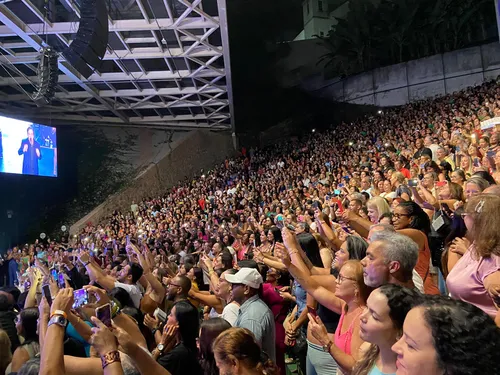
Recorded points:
377,206
5,353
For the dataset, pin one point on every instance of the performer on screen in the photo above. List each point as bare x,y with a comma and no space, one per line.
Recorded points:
31,150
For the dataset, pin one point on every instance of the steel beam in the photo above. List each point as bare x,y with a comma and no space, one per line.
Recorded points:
117,25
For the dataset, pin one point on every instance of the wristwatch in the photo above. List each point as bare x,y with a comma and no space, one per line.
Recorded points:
59,320
327,347
160,348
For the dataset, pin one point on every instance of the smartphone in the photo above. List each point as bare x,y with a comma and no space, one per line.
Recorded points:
61,281
280,221
54,274
477,162
490,154
413,182
340,185
160,315
46,293
81,297
312,311
337,192
103,313
315,204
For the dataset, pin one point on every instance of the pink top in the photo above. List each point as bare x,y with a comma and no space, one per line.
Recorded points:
343,340
466,280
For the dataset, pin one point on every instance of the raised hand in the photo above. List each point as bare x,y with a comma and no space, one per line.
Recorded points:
100,294
289,239
281,252
151,322
63,301
102,339
318,329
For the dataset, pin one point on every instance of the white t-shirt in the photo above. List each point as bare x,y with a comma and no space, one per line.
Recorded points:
230,313
133,291
418,282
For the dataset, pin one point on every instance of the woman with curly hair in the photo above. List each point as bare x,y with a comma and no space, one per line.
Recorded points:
446,336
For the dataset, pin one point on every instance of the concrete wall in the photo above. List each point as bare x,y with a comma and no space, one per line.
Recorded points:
414,80
198,149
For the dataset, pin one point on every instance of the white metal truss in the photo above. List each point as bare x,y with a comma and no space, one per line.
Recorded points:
166,66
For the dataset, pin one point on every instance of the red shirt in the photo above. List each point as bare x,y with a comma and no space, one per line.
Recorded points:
405,172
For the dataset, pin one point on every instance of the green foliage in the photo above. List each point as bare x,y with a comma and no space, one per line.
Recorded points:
386,32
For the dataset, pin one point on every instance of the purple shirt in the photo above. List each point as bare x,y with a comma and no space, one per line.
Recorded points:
466,280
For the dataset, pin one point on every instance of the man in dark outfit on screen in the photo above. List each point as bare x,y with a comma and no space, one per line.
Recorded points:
31,151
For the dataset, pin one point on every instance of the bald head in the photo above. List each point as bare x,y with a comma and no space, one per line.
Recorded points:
184,283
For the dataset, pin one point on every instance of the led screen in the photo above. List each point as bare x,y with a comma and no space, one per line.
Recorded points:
27,148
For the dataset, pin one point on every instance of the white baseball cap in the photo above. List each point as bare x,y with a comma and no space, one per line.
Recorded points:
246,276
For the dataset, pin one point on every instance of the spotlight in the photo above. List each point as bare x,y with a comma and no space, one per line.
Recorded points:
380,112
314,130
351,143
386,145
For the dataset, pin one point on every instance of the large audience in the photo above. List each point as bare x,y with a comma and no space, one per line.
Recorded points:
372,248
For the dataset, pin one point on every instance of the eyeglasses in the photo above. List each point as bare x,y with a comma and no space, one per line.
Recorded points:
397,216
464,214
176,285
341,279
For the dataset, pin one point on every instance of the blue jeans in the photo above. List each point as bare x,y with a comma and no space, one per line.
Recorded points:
319,362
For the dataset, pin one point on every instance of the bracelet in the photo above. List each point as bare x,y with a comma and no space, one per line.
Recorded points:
59,312
293,252
115,309
110,358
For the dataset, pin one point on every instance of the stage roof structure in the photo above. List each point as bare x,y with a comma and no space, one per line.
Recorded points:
166,66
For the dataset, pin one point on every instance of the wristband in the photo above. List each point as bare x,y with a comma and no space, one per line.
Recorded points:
110,358
115,309
86,264
59,312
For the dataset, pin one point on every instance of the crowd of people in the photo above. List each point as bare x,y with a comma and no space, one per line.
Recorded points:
372,248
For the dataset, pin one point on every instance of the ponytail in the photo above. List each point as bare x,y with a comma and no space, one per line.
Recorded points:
267,367
365,363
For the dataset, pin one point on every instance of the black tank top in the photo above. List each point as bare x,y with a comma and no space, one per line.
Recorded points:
329,318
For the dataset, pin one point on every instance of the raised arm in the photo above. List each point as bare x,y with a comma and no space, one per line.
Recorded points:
146,266
324,296
143,361
96,274
52,357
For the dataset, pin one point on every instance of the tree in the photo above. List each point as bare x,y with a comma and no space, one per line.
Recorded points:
375,34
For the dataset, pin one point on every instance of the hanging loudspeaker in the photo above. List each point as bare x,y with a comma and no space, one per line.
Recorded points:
86,51
48,75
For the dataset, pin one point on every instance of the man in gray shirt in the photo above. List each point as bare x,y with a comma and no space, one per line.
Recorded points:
254,313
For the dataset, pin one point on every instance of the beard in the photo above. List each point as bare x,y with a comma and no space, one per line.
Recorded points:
171,297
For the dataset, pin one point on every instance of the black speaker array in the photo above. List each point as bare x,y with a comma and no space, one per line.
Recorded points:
86,51
48,75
